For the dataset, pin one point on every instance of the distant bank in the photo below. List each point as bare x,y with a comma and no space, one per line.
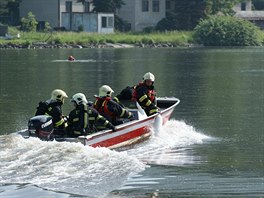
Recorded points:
36,40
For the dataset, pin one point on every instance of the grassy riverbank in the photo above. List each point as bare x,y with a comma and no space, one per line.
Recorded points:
174,38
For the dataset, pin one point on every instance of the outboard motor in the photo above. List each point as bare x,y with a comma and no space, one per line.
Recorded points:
41,126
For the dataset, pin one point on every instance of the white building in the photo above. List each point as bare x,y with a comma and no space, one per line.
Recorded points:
142,13
68,14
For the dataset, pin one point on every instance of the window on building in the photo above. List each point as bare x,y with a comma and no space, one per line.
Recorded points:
110,21
86,6
104,22
155,6
243,6
145,5
107,22
68,6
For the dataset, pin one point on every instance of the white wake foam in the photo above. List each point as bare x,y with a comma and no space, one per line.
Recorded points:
66,167
83,170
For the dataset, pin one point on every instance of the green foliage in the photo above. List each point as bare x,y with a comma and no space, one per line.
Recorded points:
167,24
188,13
84,38
107,5
47,27
258,4
221,6
29,24
185,15
121,25
149,29
3,7
80,28
227,31
9,11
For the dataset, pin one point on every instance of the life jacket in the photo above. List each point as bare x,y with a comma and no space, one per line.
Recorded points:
151,93
101,105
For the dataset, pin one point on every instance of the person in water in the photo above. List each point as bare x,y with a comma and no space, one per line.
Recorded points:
53,108
110,109
71,58
84,119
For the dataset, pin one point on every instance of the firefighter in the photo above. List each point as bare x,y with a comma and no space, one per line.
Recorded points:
145,94
84,120
110,109
53,108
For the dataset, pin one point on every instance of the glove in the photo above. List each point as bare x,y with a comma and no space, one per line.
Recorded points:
65,118
131,116
113,128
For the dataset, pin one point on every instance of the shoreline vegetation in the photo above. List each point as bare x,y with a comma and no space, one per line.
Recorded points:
40,40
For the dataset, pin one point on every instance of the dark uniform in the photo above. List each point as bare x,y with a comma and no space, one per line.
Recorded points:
111,110
125,94
146,97
124,98
53,108
84,120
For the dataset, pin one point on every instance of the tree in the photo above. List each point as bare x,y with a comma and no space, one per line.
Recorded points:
30,23
258,4
188,13
185,15
10,9
221,6
107,5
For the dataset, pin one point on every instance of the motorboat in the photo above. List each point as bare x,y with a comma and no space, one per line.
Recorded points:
126,134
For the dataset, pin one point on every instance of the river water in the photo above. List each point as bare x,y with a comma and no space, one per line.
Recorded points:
213,146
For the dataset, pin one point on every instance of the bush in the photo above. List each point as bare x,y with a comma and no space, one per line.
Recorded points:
227,31
149,29
30,23
121,25
166,24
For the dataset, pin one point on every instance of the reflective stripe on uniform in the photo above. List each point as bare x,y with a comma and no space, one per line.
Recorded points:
106,122
77,132
59,123
85,117
123,113
153,111
148,103
143,98
116,99
75,120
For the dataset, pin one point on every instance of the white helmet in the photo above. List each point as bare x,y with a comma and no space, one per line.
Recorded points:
79,98
149,76
58,94
105,90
